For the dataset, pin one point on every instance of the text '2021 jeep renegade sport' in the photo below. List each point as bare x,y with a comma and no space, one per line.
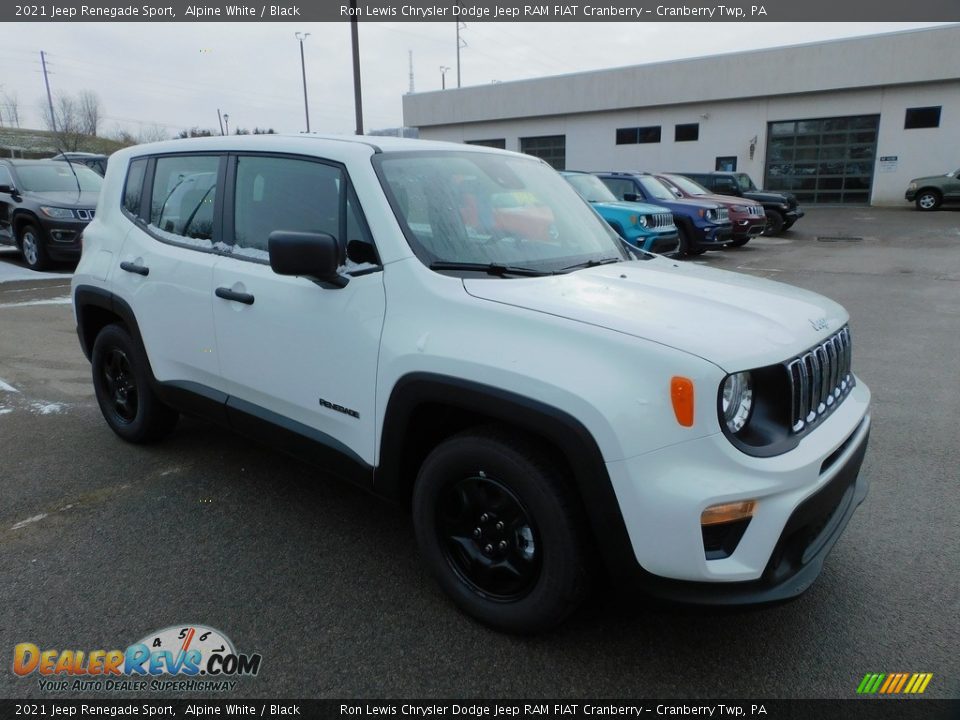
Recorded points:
548,403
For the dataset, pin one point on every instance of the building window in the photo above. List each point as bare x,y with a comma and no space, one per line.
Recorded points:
496,143
632,136
550,148
922,117
649,134
687,132
726,163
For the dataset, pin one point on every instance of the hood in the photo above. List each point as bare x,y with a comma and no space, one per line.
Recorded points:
728,201
763,196
735,321
68,199
623,206
693,203
932,178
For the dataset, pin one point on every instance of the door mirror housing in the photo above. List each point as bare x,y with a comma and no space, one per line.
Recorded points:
304,254
631,197
8,189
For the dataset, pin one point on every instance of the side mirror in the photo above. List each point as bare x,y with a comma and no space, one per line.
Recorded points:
631,197
8,189
311,255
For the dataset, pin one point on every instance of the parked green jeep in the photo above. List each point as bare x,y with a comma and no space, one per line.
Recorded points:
929,192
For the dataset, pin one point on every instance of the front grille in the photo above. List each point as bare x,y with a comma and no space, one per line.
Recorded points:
85,214
819,380
755,211
661,221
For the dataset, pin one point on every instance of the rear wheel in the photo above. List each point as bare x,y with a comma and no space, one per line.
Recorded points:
33,247
500,530
928,200
122,386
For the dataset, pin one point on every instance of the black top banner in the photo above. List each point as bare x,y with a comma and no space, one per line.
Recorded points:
485,11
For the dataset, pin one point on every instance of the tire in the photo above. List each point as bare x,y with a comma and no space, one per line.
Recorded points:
688,244
121,382
928,200
738,243
774,223
788,224
485,501
33,247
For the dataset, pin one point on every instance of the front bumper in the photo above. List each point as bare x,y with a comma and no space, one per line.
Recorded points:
748,226
715,235
63,238
805,498
793,215
910,195
663,243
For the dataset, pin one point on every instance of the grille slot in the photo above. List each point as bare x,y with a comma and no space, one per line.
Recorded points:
661,221
819,380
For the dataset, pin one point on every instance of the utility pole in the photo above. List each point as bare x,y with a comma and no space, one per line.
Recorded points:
303,69
355,42
220,120
460,44
46,81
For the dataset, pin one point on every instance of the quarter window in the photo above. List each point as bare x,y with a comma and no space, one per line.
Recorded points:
134,186
183,198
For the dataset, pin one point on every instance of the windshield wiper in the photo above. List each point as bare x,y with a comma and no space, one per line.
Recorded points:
590,264
493,268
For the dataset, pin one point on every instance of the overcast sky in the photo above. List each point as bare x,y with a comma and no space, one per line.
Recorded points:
178,74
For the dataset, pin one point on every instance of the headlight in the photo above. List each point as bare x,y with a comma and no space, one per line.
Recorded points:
737,400
645,220
912,186
59,213
713,215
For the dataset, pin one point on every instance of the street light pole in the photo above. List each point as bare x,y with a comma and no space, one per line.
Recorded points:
355,42
303,69
226,122
443,77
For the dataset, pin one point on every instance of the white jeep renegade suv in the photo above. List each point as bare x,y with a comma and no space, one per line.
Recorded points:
453,328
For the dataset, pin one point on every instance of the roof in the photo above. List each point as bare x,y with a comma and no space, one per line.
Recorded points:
908,57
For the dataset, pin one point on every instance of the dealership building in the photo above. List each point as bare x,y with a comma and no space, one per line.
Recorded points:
846,121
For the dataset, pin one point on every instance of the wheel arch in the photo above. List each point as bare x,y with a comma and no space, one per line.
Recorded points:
24,217
96,308
426,408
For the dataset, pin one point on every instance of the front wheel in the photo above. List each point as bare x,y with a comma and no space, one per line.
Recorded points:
774,223
501,531
928,200
122,385
33,247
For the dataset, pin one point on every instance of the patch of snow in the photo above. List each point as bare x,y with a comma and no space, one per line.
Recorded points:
65,300
4,410
24,523
45,408
7,387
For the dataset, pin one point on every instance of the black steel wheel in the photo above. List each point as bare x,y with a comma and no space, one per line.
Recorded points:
121,382
501,530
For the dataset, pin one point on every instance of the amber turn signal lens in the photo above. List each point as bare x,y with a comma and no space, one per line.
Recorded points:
728,512
681,395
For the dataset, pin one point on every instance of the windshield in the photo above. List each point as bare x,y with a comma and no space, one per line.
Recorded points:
745,183
655,188
590,188
56,177
687,185
483,209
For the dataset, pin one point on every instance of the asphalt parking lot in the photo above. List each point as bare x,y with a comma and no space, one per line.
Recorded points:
102,543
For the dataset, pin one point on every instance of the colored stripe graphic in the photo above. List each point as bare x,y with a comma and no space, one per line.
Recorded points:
894,683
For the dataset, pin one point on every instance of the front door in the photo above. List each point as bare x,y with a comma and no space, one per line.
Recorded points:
294,353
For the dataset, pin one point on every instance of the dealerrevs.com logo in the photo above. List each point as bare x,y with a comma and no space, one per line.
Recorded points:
184,658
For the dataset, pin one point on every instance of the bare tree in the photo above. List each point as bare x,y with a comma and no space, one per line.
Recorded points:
145,134
10,107
90,112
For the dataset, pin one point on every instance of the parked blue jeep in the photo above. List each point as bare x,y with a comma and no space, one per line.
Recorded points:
703,224
648,227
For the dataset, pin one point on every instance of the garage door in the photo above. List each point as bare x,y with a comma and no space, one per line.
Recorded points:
827,160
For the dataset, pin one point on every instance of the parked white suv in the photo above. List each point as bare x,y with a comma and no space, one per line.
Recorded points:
547,400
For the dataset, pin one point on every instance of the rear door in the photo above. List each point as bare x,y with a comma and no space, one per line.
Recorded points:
295,354
166,263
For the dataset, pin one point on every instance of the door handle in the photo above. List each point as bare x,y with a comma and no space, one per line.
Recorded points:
228,294
134,268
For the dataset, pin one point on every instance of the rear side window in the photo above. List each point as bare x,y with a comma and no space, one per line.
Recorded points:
280,193
133,189
183,198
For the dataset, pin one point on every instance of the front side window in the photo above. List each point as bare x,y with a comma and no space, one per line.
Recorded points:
486,210
5,178
590,188
745,183
278,193
183,198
